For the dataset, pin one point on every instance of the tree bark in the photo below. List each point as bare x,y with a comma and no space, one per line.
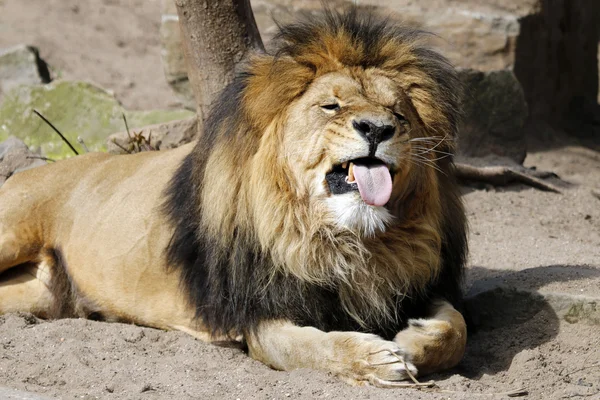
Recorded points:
216,35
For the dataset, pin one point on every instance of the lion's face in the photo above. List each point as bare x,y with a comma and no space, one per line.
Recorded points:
345,141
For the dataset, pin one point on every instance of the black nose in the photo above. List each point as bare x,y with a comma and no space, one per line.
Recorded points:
374,131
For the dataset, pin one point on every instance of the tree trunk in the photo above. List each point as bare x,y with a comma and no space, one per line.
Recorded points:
216,35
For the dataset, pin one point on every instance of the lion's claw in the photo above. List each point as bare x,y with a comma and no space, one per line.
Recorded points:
381,361
395,356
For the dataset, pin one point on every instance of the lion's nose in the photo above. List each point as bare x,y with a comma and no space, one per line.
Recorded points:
373,130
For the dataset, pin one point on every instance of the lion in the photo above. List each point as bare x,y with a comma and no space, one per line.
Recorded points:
316,219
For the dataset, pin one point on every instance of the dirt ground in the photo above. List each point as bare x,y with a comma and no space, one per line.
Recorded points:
519,237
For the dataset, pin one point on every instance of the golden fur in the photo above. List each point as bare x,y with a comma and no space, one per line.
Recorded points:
241,234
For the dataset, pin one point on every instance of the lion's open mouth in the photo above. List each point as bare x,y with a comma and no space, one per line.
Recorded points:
371,177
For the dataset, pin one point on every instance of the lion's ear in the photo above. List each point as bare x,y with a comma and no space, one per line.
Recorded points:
272,84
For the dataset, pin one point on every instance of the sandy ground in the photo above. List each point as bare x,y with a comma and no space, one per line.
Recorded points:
519,237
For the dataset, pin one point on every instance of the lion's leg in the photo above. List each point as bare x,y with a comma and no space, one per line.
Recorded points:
435,343
15,248
19,230
359,358
24,289
24,266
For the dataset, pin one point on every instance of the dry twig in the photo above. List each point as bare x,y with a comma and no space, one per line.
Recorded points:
40,158
82,143
137,142
56,130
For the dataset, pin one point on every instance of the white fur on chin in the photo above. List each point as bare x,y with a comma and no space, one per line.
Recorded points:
351,212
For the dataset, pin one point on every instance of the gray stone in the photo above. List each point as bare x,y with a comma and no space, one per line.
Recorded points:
495,112
15,156
159,136
21,65
471,36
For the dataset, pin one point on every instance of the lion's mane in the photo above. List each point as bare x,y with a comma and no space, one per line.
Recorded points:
246,241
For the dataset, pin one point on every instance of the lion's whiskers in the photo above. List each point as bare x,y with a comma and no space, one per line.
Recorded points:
425,150
437,158
424,162
418,158
431,139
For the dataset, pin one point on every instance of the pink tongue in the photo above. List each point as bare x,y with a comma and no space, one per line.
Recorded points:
374,183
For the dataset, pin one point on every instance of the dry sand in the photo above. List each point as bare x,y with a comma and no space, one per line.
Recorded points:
519,237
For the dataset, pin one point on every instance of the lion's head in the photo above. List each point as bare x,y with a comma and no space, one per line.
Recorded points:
327,160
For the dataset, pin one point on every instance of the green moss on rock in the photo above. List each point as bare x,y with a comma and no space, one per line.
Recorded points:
76,109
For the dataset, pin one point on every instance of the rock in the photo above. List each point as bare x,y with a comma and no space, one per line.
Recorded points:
15,156
76,109
495,112
471,37
172,55
21,65
160,136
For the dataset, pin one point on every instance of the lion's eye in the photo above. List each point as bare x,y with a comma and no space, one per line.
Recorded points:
400,117
330,106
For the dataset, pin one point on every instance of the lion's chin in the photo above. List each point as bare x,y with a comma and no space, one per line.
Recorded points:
351,212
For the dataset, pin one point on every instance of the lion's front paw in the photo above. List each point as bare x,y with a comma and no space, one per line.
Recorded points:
367,359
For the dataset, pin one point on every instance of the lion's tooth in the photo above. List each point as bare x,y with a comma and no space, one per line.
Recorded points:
345,165
351,173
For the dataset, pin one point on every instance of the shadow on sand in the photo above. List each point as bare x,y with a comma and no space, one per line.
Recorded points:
506,315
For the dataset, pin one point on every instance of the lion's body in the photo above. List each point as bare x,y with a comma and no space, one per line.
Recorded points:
316,217
97,217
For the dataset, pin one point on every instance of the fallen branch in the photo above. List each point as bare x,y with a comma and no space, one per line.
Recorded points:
503,175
